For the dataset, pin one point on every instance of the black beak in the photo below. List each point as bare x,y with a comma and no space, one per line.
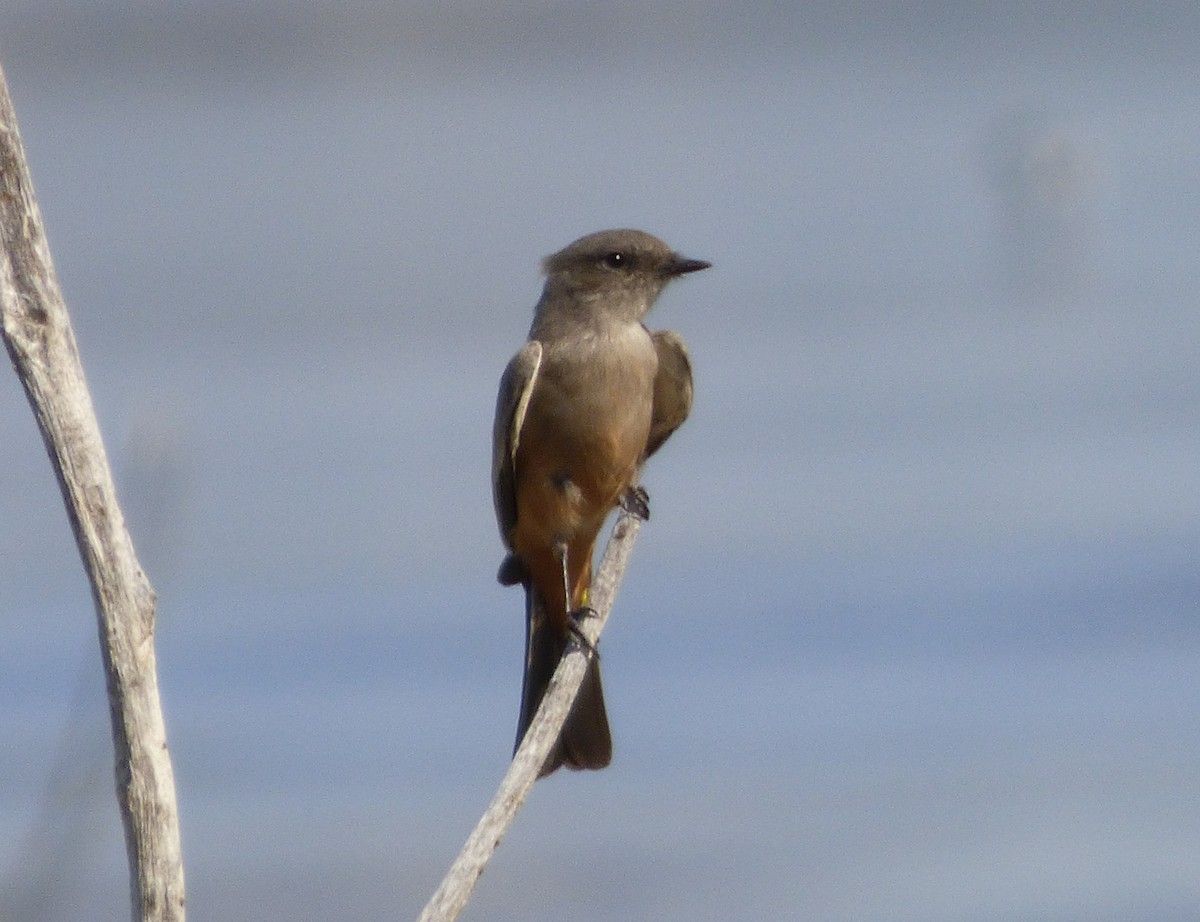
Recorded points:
681,266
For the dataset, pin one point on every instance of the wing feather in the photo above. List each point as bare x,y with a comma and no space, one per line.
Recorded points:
516,388
672,389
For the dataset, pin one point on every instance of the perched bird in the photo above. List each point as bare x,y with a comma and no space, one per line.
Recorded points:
588,398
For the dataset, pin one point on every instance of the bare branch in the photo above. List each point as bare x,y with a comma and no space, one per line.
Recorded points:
37,333
455,889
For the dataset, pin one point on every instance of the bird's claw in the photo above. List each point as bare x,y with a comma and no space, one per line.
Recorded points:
574,620
636,501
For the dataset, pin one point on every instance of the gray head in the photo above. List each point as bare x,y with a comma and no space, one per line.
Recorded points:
619,272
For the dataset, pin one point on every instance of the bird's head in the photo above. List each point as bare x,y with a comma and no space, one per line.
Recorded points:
618,272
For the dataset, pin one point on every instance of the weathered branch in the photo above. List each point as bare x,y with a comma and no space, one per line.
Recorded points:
456,887
37,333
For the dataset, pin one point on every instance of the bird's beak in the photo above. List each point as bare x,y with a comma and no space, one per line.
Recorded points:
680,265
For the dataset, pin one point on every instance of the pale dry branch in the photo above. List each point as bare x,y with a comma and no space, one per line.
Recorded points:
41,344
452,895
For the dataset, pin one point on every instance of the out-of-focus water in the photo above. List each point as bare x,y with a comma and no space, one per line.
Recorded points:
912,632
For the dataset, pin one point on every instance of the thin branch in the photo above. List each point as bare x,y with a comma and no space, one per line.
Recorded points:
41,344
452,895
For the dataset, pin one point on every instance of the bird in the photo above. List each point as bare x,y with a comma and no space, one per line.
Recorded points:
588,398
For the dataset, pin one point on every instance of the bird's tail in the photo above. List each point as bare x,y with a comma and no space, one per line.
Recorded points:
585,741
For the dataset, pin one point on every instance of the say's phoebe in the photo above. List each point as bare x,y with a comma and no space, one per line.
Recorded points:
590,396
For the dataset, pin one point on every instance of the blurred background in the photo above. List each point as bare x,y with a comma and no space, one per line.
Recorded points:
912,634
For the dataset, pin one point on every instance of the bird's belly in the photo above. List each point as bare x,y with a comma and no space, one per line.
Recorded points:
574,467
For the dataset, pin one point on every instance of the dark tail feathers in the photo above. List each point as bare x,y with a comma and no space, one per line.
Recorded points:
585,741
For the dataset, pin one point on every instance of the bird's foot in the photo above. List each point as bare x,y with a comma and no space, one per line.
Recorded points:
574,621
636,501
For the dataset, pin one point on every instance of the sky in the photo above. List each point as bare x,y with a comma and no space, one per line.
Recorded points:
912,631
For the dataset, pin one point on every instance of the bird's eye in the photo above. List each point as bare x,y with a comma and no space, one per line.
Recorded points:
616,260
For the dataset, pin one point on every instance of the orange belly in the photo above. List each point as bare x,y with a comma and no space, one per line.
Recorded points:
570,473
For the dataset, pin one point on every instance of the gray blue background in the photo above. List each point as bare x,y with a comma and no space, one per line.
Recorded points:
912,634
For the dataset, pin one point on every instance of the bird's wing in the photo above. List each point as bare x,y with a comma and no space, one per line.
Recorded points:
516,387
672,389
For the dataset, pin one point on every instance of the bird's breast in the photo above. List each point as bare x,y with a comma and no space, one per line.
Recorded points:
599,386
587,423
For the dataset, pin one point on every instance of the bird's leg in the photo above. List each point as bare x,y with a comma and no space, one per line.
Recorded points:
574,616
636,501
